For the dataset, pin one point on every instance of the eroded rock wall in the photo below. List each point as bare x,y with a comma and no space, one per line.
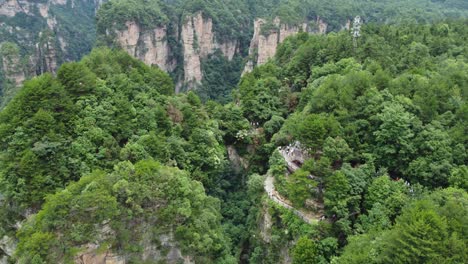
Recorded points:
44,49
191,49
264,43
150,46
12,68
197,41
165,251
45,53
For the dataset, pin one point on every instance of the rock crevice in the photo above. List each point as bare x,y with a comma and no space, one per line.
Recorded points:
265,42
197,41
150,46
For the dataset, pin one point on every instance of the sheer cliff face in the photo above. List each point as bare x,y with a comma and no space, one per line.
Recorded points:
165,251
45,42
45,54
197,41
191,50
263,45
12,68
10,8
150,46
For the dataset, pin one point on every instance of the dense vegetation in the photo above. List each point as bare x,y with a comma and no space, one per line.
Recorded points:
336,12
233,20
384,117
105,109
163,198
71,35
104,155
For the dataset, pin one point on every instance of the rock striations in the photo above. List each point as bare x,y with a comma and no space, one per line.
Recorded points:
44,42
178,47
197,41
264,42
150,46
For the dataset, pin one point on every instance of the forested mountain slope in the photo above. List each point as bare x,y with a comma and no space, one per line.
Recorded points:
383,119
364,131
37,36
205,45
103,110
105,163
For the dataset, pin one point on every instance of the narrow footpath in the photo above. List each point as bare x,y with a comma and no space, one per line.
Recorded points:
278,199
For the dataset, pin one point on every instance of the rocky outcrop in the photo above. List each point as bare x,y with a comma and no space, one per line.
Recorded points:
199,41
168,251
165,250
128,38
238,163
13,69
90,256
157,49
41,50
12,7
347,25
295,155
7,248
47,56
321,26
191,50
266,45
265,225
150,46
285,256
265,42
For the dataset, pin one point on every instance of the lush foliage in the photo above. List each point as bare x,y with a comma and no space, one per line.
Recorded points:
110,208
107,108
67,32
104,154
383,118
430,230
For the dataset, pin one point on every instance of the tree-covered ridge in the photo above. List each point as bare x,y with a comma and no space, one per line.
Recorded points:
104,154
383,117
336,12
114,14
107,108
94,115
233,18
46,33
123,211
230,18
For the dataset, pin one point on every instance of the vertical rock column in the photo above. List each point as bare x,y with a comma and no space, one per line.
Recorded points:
191,46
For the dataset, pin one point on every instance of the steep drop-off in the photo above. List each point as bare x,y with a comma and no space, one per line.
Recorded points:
46,33
197,40
149,46
266,40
